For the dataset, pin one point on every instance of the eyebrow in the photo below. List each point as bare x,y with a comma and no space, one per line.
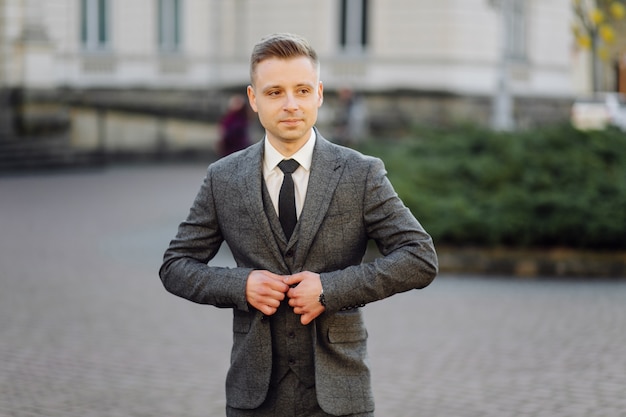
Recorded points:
280,87
271,87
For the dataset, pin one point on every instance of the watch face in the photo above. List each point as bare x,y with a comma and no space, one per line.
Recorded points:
322,299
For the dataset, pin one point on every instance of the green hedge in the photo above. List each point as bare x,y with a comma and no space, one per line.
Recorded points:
551,187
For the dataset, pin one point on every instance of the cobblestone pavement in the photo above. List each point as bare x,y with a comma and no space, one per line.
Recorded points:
86,328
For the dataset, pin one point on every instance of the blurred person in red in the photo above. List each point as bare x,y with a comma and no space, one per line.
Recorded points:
234,127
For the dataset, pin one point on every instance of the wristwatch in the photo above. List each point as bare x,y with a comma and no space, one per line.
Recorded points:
322,298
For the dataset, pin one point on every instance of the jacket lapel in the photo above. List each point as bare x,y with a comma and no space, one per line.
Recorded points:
251,186
326,169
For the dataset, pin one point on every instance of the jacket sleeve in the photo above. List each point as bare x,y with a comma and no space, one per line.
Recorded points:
408,259
185,271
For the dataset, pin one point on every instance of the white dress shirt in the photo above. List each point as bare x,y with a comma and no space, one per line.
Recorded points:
274,176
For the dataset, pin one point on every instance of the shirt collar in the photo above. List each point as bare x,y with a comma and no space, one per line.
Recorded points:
304,156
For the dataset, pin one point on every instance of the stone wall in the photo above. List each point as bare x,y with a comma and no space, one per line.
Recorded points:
133,120
395,112
123,133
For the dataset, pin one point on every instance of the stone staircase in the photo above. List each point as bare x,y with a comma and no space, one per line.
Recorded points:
43,153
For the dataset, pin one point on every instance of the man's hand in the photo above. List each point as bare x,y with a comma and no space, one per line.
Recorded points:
304,296
265,291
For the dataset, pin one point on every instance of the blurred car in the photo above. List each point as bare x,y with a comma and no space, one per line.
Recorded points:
599,111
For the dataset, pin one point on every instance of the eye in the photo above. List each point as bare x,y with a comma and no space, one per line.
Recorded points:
304,91
273,93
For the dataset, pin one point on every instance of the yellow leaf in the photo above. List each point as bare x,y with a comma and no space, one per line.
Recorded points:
617,10
607,34
584,41
596,16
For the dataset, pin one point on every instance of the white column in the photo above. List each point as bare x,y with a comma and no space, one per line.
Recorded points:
215,45
502,118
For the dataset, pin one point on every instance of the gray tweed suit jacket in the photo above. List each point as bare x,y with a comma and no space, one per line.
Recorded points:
349,201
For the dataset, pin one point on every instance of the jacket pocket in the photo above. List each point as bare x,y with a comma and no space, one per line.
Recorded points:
347,328
241,321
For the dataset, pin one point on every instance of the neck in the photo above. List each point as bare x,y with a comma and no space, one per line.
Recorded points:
287,149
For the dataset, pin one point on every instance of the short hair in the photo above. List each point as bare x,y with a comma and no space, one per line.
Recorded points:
283,46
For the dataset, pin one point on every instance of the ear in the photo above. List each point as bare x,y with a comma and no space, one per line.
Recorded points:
320,93
252,98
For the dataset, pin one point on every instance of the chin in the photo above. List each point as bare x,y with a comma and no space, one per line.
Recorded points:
294,135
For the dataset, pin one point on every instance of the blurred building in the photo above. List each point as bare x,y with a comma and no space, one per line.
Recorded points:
128,73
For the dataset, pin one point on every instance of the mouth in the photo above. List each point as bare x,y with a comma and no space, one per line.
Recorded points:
291,122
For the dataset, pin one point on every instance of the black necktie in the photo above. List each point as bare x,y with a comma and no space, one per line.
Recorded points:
286,198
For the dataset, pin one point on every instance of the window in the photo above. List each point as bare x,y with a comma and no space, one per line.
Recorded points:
169,25
95,24
353,29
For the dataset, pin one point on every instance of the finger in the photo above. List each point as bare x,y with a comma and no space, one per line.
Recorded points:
292,280
278,286
272,282
295,298
311,315
295,306
306,318
268,310
265,296
275,282
266,305
277,296
272,299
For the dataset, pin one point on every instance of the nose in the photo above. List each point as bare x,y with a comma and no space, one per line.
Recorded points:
291,103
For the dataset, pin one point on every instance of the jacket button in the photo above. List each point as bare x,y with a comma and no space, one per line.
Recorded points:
289,253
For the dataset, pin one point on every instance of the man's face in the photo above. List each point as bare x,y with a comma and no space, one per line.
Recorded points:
286,94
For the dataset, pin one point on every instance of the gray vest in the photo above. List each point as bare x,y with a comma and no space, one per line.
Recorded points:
292,343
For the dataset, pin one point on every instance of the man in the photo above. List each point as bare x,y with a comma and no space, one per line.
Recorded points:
299,346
